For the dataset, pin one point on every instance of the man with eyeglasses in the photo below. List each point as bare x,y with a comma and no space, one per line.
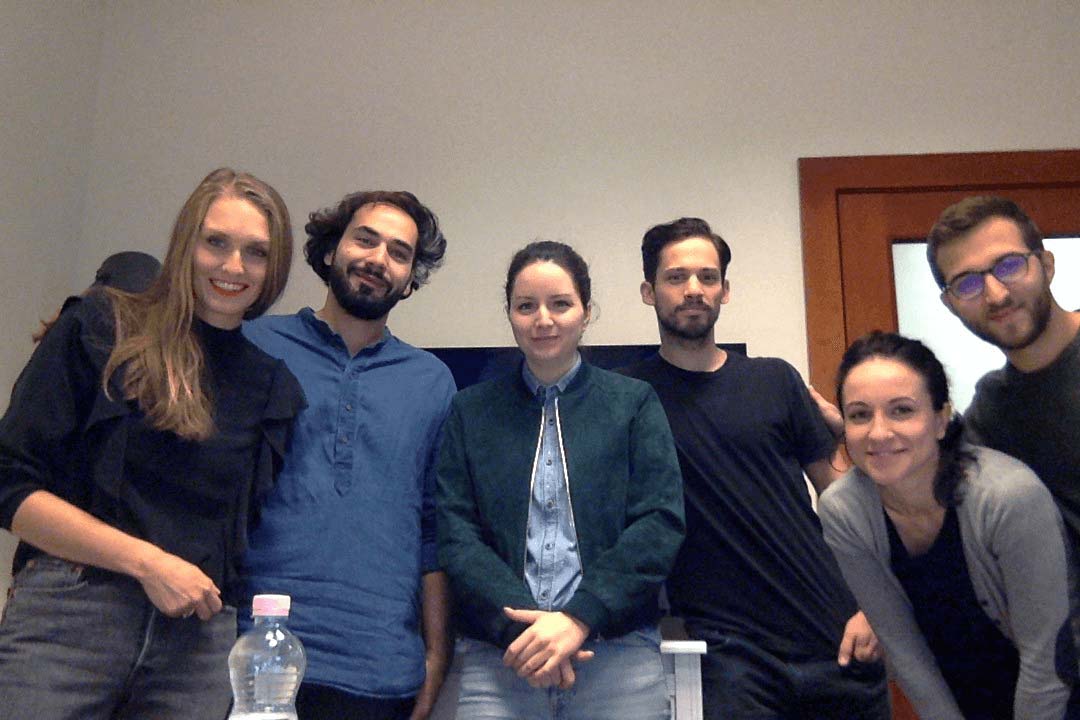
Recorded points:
988,257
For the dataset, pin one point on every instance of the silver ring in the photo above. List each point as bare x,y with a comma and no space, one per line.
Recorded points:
189,613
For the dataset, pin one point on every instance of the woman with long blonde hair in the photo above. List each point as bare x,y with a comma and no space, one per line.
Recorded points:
137,443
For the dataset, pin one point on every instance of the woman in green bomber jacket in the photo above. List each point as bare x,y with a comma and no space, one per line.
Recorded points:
560,514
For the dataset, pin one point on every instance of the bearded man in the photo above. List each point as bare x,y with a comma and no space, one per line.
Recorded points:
754,578
348,531
994,273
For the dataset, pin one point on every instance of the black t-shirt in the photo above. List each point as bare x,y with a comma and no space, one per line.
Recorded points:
754,563
978,662
1036,417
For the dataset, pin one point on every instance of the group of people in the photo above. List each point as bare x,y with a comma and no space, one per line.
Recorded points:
959,536
168,452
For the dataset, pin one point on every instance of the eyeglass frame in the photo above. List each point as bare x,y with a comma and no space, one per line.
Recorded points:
949,286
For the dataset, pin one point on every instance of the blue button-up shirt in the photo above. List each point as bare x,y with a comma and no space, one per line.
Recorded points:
349,527
552,562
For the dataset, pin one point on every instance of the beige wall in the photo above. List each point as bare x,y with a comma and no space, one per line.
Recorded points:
585,122
48,76
49,55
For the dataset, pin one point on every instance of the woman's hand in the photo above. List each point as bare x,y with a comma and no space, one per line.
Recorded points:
177,588
542,654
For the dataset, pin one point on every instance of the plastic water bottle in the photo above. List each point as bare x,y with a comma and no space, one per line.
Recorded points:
266,664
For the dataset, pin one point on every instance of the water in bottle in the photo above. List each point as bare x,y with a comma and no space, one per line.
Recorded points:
266,664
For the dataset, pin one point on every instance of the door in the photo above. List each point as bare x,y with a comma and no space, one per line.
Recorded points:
855,208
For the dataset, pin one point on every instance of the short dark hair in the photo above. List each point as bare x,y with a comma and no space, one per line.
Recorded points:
954,457
961,218
660,236
550,251
131,271
325,228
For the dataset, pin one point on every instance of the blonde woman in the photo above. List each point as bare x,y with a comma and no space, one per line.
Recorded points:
132,456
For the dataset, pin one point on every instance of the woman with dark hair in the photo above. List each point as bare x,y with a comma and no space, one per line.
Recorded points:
137,443
560,514
955,553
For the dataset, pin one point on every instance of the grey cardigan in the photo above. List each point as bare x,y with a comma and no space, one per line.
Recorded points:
1014,546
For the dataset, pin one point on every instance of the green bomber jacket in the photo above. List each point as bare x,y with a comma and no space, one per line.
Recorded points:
625,491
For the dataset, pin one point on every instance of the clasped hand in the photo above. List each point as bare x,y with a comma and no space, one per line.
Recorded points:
544,654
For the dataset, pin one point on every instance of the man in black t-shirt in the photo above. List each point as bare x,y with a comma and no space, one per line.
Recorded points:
754,578
994,273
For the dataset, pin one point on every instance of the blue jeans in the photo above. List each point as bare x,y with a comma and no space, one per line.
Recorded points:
740,680
85,644
624,681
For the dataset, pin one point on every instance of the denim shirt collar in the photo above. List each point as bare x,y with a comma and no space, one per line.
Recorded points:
539,389
316,323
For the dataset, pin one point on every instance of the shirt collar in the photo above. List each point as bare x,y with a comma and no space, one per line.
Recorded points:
535,386
321,326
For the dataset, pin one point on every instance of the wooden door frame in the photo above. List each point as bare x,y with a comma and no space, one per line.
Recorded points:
822,182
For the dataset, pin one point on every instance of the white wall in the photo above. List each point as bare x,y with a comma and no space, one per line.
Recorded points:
48,76
582,121
48,62
586,122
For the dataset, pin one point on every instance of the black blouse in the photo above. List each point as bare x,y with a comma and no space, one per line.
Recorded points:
193,499
978,662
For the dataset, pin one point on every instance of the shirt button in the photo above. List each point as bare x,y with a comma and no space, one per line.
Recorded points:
547,546
548,462
551,421
543,593
550,504
348,407
343,440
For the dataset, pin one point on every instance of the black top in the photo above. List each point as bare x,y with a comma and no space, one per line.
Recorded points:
979,664
754,563
63,434
1035,417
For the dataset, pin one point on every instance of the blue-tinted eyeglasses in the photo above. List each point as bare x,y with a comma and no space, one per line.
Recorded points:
1007,270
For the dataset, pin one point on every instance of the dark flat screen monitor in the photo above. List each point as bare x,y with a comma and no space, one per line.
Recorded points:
471,365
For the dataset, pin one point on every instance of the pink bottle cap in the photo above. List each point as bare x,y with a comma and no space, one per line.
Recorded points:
270,605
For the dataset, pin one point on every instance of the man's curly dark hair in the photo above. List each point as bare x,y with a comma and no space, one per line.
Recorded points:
325,228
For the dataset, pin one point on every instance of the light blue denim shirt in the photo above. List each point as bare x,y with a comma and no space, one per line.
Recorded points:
552,562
